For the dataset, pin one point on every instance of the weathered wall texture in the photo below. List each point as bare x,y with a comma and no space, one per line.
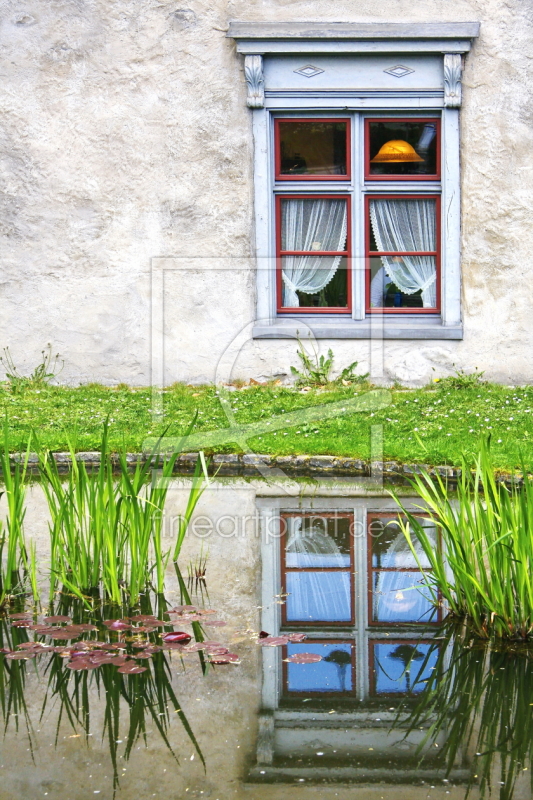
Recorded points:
124,136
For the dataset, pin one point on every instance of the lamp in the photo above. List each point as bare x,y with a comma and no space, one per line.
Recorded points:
396,151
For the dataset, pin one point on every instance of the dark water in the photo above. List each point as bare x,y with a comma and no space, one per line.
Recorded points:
333,676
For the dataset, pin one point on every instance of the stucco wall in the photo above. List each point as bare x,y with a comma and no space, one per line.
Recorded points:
124,135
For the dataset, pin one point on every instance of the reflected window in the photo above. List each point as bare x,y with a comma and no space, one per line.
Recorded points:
402,667
404,148
334,674
317,563
310,149
399,593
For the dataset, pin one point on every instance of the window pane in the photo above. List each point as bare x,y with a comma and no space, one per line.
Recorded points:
401,225
332,674
403,148
402,667
401,597
317,541
389,546
396,281
313,225
314,281
324,596
312,148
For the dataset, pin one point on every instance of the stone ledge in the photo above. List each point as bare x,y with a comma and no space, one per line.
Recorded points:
249,464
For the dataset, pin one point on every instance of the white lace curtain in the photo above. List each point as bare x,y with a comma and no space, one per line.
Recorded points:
310,225
406,225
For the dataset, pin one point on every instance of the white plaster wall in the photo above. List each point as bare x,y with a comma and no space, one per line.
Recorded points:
124,136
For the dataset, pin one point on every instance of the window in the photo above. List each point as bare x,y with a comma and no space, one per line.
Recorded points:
403,254
317,568
401,667
369,111
402,249
395,584
334,674
316,149
350,581
313,253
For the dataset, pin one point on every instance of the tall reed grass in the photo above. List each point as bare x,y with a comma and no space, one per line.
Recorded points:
17,566
106,529
483,569
478,703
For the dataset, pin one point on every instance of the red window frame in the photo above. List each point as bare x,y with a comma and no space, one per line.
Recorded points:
277,150
369,177
372,691
288,693
376,254
345,253
371,570
349,569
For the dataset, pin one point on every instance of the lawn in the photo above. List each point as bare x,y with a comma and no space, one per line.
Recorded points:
433,425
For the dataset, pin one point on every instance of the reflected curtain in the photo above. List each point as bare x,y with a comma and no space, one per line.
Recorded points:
403,226
311,225
318,595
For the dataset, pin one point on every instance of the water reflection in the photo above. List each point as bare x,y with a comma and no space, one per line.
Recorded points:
334,674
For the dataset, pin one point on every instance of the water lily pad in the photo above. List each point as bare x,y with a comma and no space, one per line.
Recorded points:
216,651
177,636
21,623
228,658
119,661
131,670
58,618
77,664
19,655
304,658
296,637
21,615
214,623
273,641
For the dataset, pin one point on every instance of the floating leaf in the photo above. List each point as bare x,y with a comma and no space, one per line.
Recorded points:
304,658
177,636
58,618
215,623
19,655
274,641
131,670
228,658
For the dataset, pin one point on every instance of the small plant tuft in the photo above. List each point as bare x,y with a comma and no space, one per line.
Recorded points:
316,370
49,368
462,380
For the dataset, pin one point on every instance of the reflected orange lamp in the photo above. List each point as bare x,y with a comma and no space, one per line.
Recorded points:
396,151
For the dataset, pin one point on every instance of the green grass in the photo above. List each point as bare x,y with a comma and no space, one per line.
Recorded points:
431,425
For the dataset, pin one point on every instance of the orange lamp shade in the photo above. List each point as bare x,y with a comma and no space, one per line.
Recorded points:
396,151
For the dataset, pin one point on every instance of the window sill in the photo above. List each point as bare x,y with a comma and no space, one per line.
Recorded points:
377,328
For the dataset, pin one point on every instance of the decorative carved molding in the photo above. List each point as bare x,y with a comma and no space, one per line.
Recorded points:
253,75
399,71
452,80
309,71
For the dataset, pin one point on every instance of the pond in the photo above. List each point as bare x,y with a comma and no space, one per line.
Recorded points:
297,651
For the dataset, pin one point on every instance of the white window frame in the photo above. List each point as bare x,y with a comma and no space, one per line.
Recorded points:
261,44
